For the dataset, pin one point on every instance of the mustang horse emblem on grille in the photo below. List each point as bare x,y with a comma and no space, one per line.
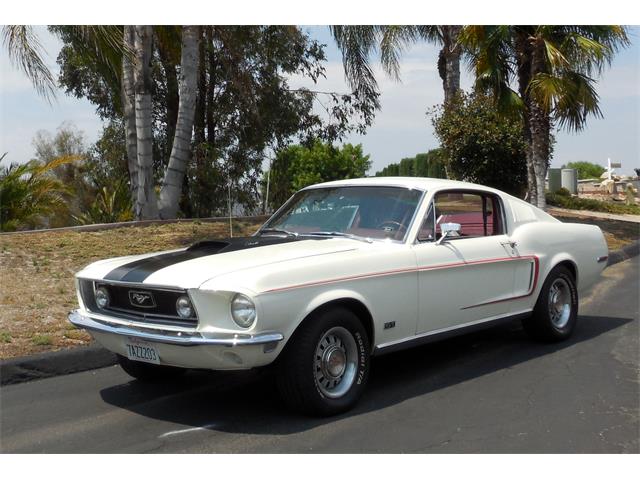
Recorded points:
141,299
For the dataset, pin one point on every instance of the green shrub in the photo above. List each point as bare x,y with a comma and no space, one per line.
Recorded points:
576,203
297,166
481,145
586,169
429,164
563,192
110,206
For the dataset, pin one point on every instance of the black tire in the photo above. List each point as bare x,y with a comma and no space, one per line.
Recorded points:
149,373
299,366
546,324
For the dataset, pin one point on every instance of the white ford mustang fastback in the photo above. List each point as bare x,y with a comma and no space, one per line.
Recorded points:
343,271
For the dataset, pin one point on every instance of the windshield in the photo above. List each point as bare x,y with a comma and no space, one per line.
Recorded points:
370,212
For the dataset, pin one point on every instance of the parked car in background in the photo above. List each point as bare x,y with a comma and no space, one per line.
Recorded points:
343,271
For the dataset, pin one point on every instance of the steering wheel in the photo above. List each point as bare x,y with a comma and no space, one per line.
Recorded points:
399,225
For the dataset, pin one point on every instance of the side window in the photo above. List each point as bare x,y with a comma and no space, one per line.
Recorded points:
478,214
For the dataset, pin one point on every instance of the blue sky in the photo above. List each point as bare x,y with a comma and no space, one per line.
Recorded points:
401,128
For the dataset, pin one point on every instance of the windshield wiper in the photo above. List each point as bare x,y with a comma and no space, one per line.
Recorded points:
342,234
278,230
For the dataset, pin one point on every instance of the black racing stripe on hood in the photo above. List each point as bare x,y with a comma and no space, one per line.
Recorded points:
139,270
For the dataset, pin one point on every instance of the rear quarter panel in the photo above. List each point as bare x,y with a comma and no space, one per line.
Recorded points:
555,242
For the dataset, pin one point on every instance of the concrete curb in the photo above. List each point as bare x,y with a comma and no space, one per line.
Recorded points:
80,359
52,364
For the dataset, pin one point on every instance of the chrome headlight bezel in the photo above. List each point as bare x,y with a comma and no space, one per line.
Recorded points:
102,292
243,311
185,311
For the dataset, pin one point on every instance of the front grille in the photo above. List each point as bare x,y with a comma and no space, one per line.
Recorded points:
162,310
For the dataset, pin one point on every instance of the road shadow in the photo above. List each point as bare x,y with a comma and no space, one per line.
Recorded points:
248,402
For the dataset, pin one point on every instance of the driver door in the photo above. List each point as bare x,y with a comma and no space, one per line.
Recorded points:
463,279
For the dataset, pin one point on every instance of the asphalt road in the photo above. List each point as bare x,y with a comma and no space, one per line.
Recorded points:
493,391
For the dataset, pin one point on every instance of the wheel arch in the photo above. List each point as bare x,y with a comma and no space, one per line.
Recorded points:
566,261
346,299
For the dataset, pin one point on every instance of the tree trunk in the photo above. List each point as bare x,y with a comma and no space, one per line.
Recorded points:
451,59
146,205
524,54
129,113
188,80
201,98
540,124
211,129
173,99
531,179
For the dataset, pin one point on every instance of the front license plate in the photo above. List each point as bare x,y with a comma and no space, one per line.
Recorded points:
142,351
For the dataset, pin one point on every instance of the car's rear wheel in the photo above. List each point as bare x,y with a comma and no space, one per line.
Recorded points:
556,311
146,372
324,368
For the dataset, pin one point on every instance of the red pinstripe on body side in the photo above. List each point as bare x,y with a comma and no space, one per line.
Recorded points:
419,269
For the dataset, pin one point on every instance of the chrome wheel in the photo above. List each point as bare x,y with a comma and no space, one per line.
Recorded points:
335,362
559,303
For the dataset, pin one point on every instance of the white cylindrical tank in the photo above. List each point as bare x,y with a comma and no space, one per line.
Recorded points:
554,179
570,180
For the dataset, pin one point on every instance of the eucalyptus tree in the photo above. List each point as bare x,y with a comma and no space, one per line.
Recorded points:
126,60
555,68
245,106
145,206
181,156
147,203
181,145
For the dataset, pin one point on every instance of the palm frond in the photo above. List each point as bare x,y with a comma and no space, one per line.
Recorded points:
430,33
26,52
488,53
570,96
58,161
28,193
395,39
357,42
554,56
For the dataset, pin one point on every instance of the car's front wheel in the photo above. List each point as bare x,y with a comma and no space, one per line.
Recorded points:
146,372
324,368
556,311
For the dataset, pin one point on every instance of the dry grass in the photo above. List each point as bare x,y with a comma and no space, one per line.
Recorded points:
36,283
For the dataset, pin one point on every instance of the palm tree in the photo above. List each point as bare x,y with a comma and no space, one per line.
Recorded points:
555,67
358,42
29,192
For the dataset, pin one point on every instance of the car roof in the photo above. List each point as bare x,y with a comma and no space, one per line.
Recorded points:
421,183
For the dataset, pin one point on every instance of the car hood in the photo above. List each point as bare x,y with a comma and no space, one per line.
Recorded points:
191,267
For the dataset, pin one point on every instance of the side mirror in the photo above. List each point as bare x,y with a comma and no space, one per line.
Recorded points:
449,230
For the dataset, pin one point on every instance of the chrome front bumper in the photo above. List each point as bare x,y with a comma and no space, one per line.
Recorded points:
99,323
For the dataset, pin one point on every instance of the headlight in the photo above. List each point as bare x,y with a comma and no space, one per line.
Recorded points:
184,307
102,297
243,310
